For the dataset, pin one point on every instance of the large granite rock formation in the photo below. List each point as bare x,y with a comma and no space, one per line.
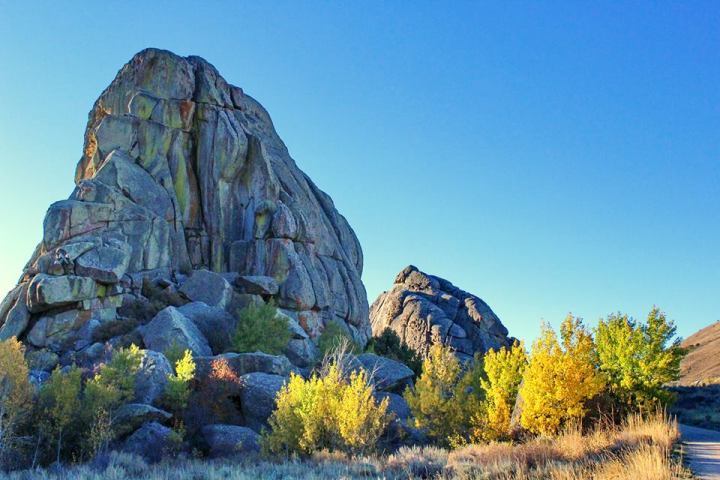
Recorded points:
184,192
425,310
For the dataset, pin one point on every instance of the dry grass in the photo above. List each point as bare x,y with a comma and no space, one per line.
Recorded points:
647,462
641,449
415,462
655,430
642,446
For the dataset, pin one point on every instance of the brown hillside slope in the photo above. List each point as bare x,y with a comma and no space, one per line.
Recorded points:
702,362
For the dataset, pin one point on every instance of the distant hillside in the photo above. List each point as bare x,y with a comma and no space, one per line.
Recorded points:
703,360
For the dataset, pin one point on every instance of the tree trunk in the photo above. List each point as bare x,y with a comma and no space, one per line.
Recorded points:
37,450
59,443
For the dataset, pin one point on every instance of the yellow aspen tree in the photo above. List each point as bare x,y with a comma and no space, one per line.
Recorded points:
361,419
561,377
504,369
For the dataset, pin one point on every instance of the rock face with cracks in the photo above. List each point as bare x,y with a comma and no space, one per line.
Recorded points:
183,188
425,310
187,207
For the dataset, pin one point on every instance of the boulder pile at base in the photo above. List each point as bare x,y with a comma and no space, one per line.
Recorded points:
424,310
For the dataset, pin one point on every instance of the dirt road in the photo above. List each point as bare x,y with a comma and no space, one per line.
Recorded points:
701,449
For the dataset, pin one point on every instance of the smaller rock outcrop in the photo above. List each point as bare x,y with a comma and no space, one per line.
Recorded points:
425,310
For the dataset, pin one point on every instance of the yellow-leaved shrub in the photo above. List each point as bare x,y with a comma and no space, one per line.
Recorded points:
177,390
76,415
328,411
361,420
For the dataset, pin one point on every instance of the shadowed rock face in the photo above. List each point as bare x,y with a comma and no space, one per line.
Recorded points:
182,172
425,310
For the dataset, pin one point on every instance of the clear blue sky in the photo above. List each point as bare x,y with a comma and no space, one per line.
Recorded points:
546,156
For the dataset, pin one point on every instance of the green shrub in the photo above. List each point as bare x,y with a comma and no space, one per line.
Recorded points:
446,396
335,336
388,344
60,408
15,398
114,383
75,415
261,328
638,360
